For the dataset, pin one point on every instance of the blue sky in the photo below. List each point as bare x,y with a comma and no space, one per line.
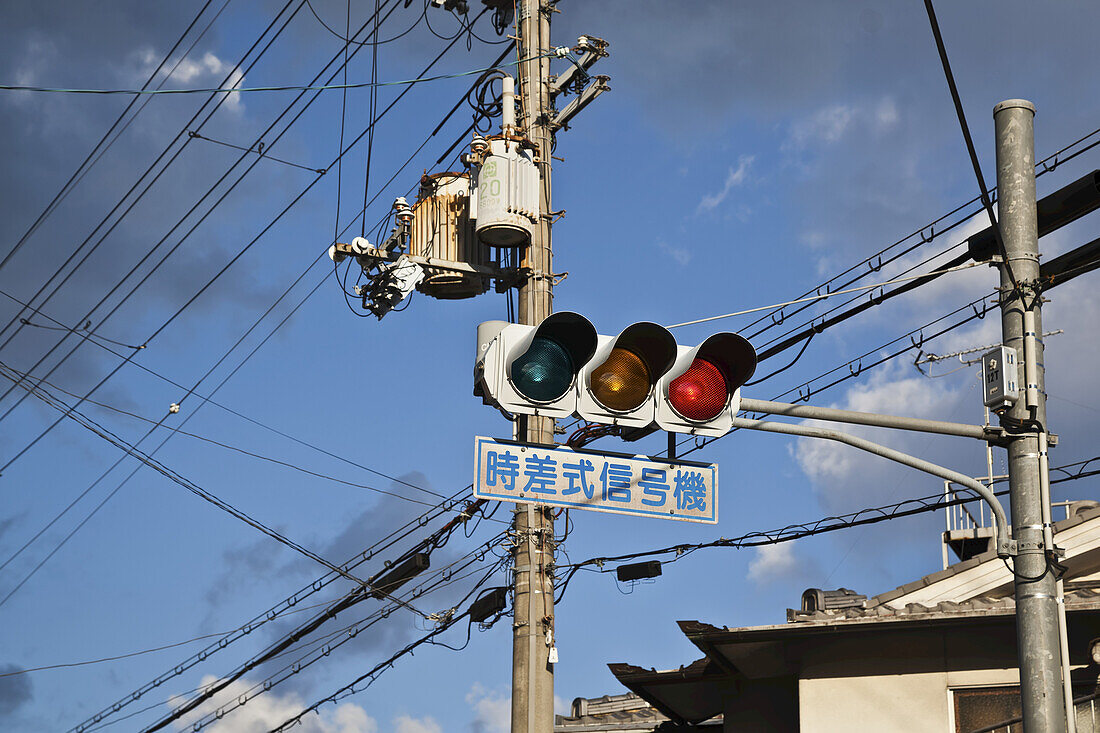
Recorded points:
744,155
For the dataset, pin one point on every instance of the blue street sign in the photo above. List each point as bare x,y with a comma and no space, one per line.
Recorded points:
603,482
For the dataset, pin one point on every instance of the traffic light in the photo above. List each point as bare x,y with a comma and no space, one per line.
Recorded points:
616,386
532,370
702,392
637,379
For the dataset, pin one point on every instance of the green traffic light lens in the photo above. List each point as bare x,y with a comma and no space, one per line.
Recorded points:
544,372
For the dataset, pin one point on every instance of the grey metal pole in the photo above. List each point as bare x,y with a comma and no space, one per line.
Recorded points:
1000,539
917,424
1035,585
533,606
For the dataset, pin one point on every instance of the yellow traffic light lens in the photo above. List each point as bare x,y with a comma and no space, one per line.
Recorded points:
622,382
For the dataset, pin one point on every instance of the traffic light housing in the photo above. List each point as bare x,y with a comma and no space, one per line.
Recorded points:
701,393
638,379
532,370
616,385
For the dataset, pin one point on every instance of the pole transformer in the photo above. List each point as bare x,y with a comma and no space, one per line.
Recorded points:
1021,326
533,620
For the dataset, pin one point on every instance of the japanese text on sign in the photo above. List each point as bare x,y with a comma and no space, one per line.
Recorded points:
602,482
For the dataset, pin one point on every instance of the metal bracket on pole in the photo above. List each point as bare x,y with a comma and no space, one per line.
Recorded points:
1006,547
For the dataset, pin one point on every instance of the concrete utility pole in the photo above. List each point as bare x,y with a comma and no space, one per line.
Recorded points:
533,620
1021,323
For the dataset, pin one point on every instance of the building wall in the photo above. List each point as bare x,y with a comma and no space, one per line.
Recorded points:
762,706
900,683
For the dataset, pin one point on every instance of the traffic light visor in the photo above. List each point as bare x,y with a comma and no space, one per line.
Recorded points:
733,355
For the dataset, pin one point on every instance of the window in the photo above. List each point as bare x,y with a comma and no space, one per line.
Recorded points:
977,709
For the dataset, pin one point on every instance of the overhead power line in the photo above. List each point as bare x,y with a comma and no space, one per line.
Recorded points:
322,648
219,386
872,515
76,256
210,282
338,606
876,261
92,425
228,446
295,599
104,144
812,298
558,52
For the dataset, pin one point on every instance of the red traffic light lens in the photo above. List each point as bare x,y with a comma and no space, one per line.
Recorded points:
622,382
700,393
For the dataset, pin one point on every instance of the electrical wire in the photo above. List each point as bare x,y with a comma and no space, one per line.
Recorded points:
872,515
210,191
322,647
102,146
258,149
856,310
343,119
191,391
143,652
367,43
349,689
861,288
875,261
856,367
74,257
240,253
373,112
987,203
194,488
342,604
553,53
237,449
285,606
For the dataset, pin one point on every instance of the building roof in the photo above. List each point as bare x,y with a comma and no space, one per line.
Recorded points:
627,713
966,597
686,695
984,576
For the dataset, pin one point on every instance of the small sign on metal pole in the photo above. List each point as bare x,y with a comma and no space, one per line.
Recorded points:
506,470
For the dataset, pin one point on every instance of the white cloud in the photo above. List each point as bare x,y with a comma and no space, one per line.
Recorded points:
407,724
829,125
681,255
886,114
773,562
838,470
493,710
269,710
208,68
735,177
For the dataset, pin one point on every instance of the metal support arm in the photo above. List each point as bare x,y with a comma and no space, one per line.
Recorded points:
811,412
1003,544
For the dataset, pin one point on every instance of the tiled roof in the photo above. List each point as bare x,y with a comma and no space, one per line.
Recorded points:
1083,514
879,606
1082,598
626,712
